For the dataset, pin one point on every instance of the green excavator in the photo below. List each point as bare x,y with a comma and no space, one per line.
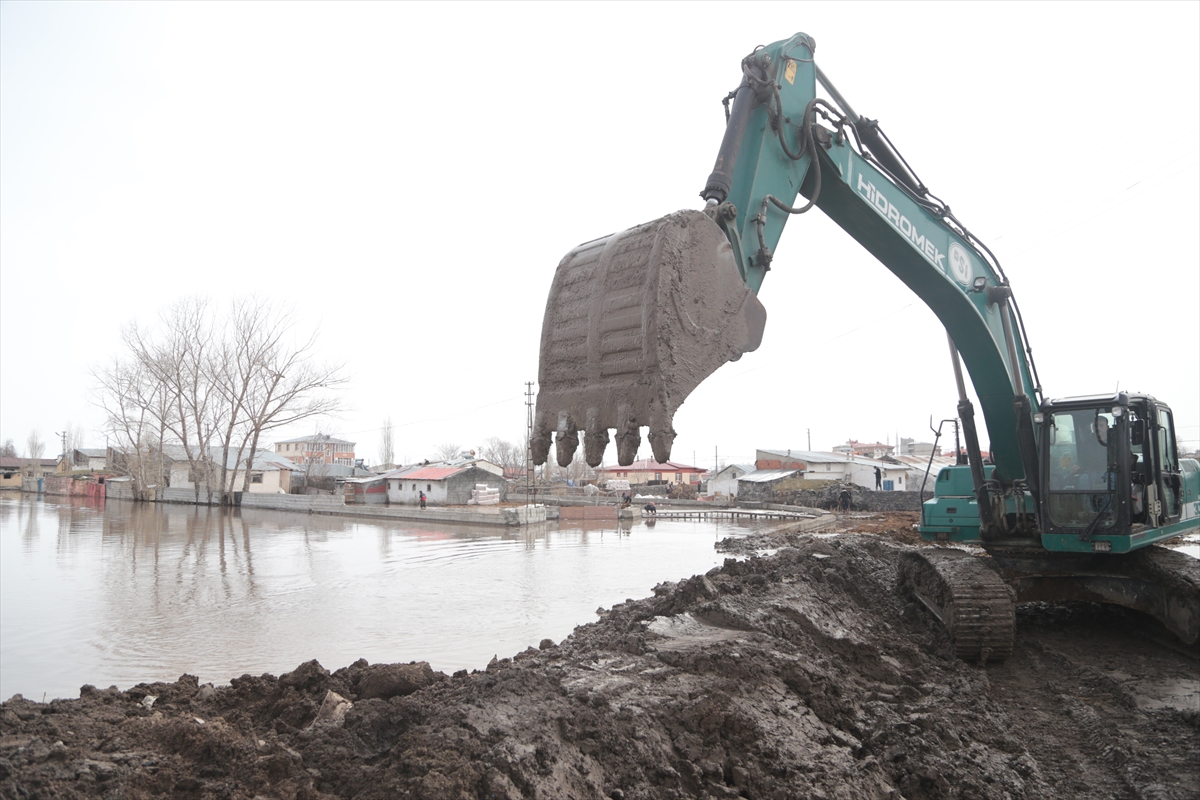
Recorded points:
1076,491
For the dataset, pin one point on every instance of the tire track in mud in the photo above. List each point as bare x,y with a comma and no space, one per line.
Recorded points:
1073,683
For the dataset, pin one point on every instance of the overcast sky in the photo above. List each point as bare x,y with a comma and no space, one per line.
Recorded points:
407,177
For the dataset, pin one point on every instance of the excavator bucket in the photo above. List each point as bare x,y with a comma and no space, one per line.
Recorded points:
634,322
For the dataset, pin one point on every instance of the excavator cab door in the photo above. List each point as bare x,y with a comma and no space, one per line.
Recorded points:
1170,480
1086,471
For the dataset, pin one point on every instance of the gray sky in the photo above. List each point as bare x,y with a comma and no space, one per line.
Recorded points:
408,176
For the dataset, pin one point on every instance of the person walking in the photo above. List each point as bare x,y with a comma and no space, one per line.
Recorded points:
421,497
878,479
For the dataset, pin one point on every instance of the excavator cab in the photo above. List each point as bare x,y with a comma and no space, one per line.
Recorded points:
1109,469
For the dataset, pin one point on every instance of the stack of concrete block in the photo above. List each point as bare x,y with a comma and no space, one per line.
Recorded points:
483,495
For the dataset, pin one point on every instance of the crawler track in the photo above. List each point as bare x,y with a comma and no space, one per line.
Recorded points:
974,604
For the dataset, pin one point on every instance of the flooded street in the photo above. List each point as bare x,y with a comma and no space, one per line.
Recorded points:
122,593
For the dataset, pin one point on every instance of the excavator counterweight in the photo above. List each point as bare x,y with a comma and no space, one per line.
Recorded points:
635,321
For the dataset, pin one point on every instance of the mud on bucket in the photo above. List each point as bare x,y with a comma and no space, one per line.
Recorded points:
634,322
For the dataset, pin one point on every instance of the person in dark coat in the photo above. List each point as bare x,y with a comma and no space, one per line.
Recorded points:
878,479
844,500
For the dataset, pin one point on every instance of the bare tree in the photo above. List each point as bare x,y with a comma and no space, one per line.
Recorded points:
387,450
448,451
507,454
577,471
137,413
180,362
75,440
33,445
291,388
316,468
212,385
8,450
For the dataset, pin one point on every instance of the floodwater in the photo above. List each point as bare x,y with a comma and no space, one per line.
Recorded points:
119,593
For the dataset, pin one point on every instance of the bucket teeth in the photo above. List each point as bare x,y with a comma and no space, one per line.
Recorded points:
629,439
634,322
661,442
539,446
594,445
566,439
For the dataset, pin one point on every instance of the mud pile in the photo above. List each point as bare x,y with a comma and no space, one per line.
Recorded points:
799,675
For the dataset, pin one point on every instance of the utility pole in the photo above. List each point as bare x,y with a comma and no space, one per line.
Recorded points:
809,432
528,441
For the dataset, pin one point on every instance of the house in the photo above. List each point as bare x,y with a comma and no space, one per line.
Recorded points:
911,447
442,485
835,467
649,471
91,459
317,449
269,472
13,469
10,472
725,482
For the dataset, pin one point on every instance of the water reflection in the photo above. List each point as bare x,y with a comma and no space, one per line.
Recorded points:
124,592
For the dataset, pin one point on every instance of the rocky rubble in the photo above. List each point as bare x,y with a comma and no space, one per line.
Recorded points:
799,675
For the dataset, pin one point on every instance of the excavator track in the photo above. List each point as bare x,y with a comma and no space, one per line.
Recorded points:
1155,580
974,604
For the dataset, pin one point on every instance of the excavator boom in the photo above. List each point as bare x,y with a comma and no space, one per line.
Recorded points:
635,321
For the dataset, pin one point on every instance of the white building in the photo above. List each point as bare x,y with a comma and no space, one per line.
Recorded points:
269,473
443,485
836,467
724,483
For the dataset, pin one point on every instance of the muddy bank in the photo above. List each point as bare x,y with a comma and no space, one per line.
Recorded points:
798,675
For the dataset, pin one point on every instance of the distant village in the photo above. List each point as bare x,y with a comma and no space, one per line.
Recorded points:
326,465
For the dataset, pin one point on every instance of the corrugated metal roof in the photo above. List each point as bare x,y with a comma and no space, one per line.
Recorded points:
427,473
767,475
16,463
824,458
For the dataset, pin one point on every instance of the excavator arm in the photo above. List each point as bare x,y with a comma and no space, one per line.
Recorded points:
636,320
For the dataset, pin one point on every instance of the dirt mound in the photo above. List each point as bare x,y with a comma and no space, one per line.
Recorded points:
800,675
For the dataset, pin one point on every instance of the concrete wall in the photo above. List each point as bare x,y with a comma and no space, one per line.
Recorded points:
293,502
119,490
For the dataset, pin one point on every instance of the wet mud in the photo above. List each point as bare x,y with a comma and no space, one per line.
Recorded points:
802,674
